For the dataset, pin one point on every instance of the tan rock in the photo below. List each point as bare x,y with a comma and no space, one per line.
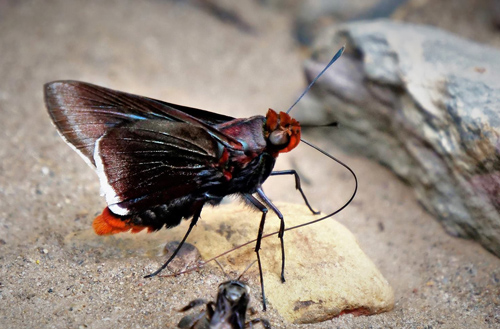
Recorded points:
327,273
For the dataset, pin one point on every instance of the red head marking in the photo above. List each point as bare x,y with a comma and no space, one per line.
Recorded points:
281,131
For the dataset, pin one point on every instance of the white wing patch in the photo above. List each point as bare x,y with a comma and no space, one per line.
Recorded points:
84,157
106,189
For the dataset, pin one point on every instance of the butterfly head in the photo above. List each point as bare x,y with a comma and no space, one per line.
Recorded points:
282,132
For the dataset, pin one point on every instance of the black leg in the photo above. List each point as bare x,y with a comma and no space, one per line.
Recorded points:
210,309
192,304
190,321
281,232
264,210
297,185
191,225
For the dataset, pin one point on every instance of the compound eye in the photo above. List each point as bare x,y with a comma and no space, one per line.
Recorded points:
279,138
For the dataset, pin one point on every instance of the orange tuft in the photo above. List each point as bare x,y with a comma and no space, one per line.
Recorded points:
294,141
271,120
108,223
285,119
283,122
293,128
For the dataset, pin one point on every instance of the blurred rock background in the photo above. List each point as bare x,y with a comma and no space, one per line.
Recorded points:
416,91
424,102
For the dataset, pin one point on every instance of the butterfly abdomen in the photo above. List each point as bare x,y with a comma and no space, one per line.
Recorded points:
152,219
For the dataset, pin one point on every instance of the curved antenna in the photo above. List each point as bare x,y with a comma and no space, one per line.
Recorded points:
345,204
248,267
227,276
289,228
335,57
222,269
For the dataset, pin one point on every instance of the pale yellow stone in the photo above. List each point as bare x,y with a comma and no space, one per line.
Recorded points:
326,270
327,273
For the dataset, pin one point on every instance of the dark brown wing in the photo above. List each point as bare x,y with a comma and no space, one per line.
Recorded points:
152,162
83,112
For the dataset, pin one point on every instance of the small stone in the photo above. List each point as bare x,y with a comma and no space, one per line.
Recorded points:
187,256
327,274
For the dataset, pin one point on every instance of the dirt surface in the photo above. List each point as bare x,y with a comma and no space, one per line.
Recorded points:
184,53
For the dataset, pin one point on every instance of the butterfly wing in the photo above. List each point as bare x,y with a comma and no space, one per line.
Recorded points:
83,113
152,162
153,158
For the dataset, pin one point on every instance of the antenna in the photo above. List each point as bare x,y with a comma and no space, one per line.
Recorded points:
335,57
248,267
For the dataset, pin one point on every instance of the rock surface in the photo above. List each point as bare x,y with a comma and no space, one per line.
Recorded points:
313,16
424,103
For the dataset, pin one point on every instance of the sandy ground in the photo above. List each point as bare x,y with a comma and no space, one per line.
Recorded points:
177,52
